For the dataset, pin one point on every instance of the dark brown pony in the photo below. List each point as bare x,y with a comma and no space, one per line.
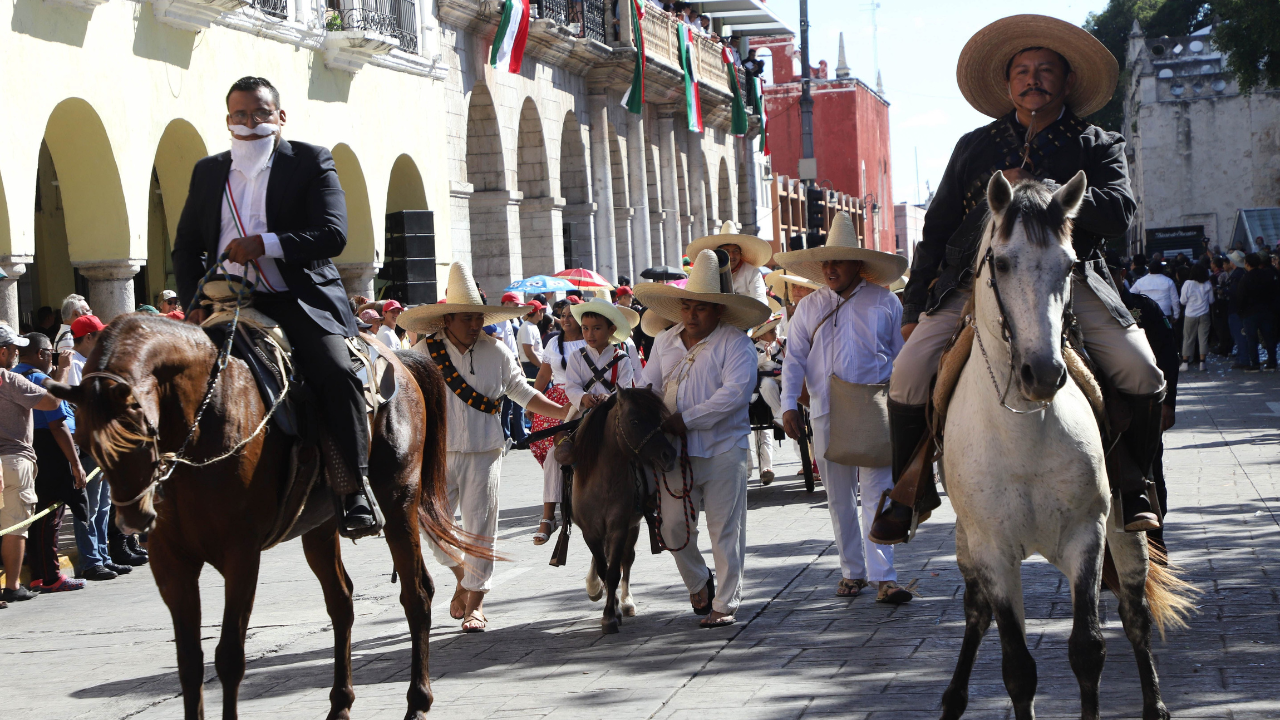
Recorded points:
613,439
221,514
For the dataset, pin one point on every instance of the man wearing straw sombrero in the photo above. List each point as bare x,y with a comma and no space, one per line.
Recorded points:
1037,76
479,371
705,368
846,334
747,254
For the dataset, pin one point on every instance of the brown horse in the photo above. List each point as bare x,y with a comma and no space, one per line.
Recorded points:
152,375
614,439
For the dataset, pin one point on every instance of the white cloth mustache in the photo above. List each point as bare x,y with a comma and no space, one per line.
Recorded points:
263,129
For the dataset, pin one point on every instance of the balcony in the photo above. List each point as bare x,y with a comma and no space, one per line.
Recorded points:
370,23
662,43
584,18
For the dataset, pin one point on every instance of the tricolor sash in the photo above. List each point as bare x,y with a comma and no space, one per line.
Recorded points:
473,398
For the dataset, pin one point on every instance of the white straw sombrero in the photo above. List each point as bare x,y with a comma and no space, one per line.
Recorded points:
765,327
754,250
881,268
741,311
600,306
778,280
980,73
461,296
632,316
652,324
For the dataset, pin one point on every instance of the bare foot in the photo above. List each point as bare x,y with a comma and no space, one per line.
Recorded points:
718,619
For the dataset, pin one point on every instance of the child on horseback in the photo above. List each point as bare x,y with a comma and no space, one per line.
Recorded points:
602,366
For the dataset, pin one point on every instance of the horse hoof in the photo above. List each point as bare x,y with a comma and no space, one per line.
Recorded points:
595,597
628,608
610,627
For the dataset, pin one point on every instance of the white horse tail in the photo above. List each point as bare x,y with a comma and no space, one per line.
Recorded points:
1169,597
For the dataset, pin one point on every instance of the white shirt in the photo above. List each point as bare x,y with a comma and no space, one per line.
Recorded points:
507,334
747,280
496,373
713,391
579,374
1160,288
765,353
75,373
551,356
388,337
250,195
529,335
1197,297
857,344
64,339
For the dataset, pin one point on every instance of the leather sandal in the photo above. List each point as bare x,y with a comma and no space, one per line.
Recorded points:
475,616
541,538
850,588
458,601
710,587
892,593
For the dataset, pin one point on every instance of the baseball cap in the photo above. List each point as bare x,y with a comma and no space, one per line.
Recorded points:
511,297
625,290
9,337
535,307
1236,257
390,305
168,295
86,324
574,300
370,316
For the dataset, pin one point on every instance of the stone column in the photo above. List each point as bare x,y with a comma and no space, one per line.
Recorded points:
460,220
638,187
13,266
357,277
581,220
110,286
747,156
541,233
667,159
496,258
606,255
697,185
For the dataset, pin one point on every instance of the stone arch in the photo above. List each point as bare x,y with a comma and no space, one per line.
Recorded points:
575,182
405,190
655,205
725,190
49,277
540,214
494,208
179,149
97,222
621,203
360,237
6,241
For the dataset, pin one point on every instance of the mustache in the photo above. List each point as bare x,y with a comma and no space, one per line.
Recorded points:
1028,91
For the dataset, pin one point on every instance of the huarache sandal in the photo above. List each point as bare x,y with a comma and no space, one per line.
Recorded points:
850,588
722,621
475,622
541,538
458,605
892,593
711,595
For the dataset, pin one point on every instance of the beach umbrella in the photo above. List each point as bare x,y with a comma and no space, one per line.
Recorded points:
584,279
540,284
663,273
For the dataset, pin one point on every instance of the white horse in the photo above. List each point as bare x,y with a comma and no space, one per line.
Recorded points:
1025,469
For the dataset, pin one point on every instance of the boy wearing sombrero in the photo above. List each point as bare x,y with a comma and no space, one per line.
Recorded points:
602,366
747,254
1038,77
479,371
705,368
768,360
847,330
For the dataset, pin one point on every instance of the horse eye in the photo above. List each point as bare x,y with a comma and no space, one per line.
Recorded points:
1002,265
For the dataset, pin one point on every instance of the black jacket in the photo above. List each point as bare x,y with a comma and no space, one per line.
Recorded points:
1258,290
953,224
1160,335
306,208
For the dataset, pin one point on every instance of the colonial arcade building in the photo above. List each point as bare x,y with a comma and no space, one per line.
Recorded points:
113,101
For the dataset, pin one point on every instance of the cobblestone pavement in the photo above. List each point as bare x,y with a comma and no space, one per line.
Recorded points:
797,651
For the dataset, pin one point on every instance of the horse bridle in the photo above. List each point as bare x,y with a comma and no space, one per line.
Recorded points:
617,428
1006,333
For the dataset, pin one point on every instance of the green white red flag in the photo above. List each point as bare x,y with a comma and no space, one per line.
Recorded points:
738,127
513,32
633,100
757,85
692,99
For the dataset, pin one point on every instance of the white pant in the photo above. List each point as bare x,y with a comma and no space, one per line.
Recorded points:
473,488
552,478
772,395
859,557
764,449
720,489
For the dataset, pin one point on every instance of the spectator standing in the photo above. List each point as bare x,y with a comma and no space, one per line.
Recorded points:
169,305
1235,322
387,329
73,306
1159,287
1197,299
46,322
529,340
507,332
1258,294
18,398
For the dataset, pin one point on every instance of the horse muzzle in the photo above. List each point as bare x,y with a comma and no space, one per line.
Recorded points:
1040,377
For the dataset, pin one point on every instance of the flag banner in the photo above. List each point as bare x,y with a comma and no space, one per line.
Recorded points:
758,85
739,123
692,100
633,100
513,32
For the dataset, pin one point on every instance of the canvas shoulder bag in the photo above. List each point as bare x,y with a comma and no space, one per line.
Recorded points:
861,438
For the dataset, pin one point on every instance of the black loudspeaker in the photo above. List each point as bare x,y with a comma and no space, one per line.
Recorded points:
409,262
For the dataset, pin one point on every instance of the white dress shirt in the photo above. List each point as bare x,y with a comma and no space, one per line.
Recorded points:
529,335
857,344
713,391
1197,296
75,373
551,355
579,374
747,280
1160,288
490,368
250,195
64,338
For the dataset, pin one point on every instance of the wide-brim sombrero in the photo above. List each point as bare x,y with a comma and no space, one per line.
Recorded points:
765,327
599,306
461,296
754,250
632,316
741,311
980,73
778,280
652,324
880,268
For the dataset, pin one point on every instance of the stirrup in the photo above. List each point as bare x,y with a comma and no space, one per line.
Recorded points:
379,521
916,519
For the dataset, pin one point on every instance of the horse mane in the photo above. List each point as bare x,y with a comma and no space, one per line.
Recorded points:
1042,219
592,441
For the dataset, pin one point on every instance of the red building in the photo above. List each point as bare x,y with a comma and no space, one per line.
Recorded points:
850,131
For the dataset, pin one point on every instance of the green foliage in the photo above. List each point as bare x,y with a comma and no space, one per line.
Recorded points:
1250,33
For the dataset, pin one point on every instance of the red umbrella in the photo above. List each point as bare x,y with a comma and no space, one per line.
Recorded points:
585,279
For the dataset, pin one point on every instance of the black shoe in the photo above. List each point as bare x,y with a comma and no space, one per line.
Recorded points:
1252,369
118,569
357,515
120,553
17,595
98,572
1138,513
135,547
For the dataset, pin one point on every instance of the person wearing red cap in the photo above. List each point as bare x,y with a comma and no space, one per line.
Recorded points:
529,340
84,337
387,330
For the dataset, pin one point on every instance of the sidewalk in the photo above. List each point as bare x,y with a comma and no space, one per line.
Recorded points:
797,650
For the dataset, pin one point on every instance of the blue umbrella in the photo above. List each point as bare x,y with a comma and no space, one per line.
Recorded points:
540,284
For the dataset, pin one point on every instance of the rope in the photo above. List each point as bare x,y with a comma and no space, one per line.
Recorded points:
686,498
31,519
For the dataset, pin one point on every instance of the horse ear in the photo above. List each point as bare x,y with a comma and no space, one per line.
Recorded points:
1068,197
999,194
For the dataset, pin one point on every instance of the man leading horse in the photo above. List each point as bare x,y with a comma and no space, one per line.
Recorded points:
1038,77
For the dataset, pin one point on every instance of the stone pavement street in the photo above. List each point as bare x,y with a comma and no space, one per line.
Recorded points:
797,650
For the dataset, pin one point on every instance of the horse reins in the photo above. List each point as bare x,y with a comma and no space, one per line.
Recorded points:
686,477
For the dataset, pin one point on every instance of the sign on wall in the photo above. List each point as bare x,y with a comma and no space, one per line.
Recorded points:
1188,240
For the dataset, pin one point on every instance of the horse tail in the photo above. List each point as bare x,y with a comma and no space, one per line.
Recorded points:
1169,597
435,516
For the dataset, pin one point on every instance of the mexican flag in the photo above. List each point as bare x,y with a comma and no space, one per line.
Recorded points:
739,124
692,100
633,100
513,32
758,91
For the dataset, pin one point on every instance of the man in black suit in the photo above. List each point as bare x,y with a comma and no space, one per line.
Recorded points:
277,210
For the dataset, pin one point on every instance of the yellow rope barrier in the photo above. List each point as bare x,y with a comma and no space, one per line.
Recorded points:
43,512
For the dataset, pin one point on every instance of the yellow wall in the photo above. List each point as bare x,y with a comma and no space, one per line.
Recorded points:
54,278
